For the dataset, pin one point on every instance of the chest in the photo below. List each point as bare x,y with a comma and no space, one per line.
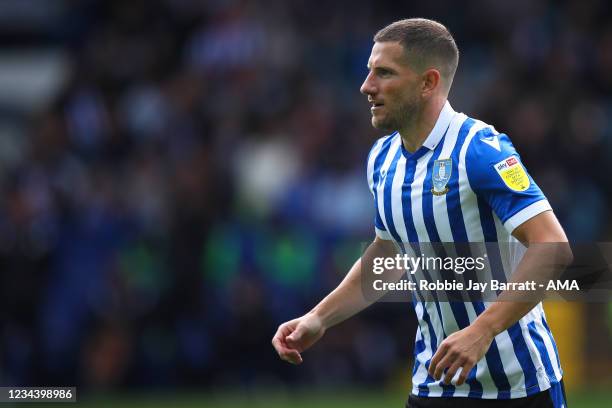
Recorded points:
420,200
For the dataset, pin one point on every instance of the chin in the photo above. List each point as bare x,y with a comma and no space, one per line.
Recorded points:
380,125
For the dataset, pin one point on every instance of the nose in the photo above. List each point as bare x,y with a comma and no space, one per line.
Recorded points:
368,87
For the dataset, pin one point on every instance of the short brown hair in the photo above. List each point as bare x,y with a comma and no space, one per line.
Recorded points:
427,44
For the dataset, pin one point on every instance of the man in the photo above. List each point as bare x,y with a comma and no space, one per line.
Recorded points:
444,177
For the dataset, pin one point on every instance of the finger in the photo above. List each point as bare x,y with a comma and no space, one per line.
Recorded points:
446,362
291,356
294,338
440,353
279,345
285,353
297,340
465,372
450,373
284,330
278,341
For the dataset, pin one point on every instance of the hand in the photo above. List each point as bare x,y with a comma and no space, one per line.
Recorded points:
297,335
462,349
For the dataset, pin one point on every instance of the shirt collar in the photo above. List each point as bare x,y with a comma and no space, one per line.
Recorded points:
439,129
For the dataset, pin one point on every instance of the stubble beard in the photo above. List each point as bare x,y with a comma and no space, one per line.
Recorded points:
398,119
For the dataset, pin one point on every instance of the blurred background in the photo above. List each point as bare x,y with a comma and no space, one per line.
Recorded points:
178,177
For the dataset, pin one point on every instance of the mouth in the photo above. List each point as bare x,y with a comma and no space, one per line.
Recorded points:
376,106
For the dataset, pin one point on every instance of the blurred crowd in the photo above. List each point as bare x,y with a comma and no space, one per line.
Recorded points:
196,175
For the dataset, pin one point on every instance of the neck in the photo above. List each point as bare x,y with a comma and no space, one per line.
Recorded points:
413,134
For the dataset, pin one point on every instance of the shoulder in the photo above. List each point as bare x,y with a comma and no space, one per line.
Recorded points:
493,164
377,153
381,144
380,148
485,145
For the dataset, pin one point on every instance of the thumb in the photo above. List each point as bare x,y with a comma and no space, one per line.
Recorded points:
297,334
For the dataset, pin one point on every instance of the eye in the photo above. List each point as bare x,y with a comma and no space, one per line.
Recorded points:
383,73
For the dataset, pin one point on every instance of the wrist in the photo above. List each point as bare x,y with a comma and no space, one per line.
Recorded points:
322,318
486,326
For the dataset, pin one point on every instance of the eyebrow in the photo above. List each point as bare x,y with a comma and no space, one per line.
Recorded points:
381,68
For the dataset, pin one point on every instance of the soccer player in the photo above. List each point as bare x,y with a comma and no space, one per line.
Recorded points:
444,177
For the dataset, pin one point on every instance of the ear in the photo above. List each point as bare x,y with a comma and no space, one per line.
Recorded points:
430,81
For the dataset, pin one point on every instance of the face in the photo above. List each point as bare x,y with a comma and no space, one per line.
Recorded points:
392,87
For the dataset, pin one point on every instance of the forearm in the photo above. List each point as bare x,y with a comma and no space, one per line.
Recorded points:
348,298
344,301
541,262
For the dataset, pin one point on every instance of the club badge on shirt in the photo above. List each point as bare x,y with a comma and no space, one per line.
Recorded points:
440,176
513,173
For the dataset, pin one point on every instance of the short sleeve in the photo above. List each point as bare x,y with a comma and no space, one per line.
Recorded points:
375,159
497,175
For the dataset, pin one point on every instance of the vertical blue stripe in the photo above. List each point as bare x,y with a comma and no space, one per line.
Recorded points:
541,347
427,197
429,219
557,396
524,358
387,189
518,342
423,388
378,162
552,340
432,232
453,200
380,159
414,239
457,225
458,308
489,231
494,362
475,385
419,347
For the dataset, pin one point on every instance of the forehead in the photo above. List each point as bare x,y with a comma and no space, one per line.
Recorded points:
387,54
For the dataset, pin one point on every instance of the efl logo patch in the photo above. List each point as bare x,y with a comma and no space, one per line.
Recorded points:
513,173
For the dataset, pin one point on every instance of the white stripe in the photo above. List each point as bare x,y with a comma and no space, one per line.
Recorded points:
440,211
370,175
541,376
443,227
397,211
424,355
380,188
548,340
511,365
416,196
421,373
489,390
526,214
473,226
373,154
469,202
508,246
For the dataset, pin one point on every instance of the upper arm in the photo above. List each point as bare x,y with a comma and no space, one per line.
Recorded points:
375,158
544,227
497,175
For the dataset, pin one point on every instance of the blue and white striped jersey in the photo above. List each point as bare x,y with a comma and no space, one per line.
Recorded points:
488,194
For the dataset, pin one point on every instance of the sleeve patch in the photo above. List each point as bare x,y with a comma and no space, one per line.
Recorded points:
513,174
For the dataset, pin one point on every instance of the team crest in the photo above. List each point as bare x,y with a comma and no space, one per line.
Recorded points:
440,176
